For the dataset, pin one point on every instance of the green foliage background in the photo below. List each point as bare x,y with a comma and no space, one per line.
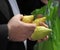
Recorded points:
53,20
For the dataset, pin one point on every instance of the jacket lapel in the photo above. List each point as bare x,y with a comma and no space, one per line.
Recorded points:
5,9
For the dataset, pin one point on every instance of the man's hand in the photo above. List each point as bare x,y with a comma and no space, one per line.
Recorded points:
18,30
43,39
41,24
45,1
46,37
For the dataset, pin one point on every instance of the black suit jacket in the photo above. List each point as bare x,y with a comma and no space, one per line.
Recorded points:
26,7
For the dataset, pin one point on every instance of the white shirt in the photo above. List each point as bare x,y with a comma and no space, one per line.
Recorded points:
16,11
14,7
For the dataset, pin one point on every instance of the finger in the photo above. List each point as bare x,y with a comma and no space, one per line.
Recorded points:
39,40
30,33
30,27
44,1
19,16
30,39
39,16
46,38
43,24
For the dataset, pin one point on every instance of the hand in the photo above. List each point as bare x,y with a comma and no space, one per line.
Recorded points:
45,25
45,1
41,24
18,30
43,39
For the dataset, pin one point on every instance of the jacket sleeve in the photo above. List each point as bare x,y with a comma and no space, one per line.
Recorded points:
3,36
3,31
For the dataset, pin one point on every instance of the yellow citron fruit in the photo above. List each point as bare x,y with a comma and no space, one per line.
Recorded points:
28,18
40,32
38,20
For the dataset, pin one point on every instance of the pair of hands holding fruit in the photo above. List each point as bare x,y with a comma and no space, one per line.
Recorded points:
19,30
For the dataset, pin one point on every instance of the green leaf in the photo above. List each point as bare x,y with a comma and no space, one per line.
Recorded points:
53,20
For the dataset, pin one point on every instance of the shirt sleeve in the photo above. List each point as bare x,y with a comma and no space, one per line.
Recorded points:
3,31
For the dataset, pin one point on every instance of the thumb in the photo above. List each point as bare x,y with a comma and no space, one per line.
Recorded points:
19,16
30,26
43,24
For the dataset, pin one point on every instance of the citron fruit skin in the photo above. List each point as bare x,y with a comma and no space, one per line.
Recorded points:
38,20
40,32
28,18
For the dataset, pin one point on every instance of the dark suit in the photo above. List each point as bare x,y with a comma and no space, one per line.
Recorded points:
26,7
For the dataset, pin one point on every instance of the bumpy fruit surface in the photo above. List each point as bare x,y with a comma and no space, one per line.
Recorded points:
40,32
38,20
28,18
